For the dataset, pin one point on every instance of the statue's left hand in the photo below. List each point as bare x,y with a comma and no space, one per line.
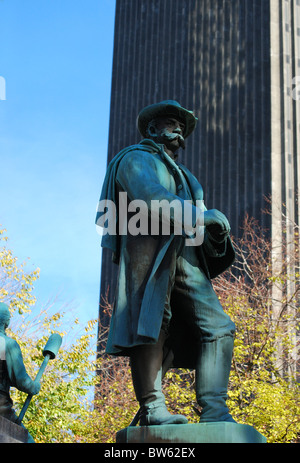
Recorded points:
217,224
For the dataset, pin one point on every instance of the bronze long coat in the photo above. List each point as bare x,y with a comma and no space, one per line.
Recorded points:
146,172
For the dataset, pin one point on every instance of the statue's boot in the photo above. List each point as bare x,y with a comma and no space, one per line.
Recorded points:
212,376
146,369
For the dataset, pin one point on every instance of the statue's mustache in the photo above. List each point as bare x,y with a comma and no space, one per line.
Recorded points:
171,136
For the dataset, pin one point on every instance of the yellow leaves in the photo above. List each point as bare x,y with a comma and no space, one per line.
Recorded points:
273,409
3,237
179,389
16,283
91,324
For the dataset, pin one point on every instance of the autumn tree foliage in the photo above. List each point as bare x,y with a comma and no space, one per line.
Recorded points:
60,411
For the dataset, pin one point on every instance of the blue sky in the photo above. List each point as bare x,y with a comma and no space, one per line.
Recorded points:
56,59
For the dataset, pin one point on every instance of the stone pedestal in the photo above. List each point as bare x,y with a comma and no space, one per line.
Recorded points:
216,433
11,433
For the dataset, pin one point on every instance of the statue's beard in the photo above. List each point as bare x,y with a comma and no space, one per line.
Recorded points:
168,136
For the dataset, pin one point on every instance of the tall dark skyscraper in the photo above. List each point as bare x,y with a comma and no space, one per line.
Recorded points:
234,63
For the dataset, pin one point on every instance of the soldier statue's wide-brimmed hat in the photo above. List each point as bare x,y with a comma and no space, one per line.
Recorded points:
166,108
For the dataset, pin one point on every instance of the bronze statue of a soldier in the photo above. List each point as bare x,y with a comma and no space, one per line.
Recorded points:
166,313
12,370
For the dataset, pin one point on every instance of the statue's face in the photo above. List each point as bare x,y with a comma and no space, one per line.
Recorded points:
169,132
